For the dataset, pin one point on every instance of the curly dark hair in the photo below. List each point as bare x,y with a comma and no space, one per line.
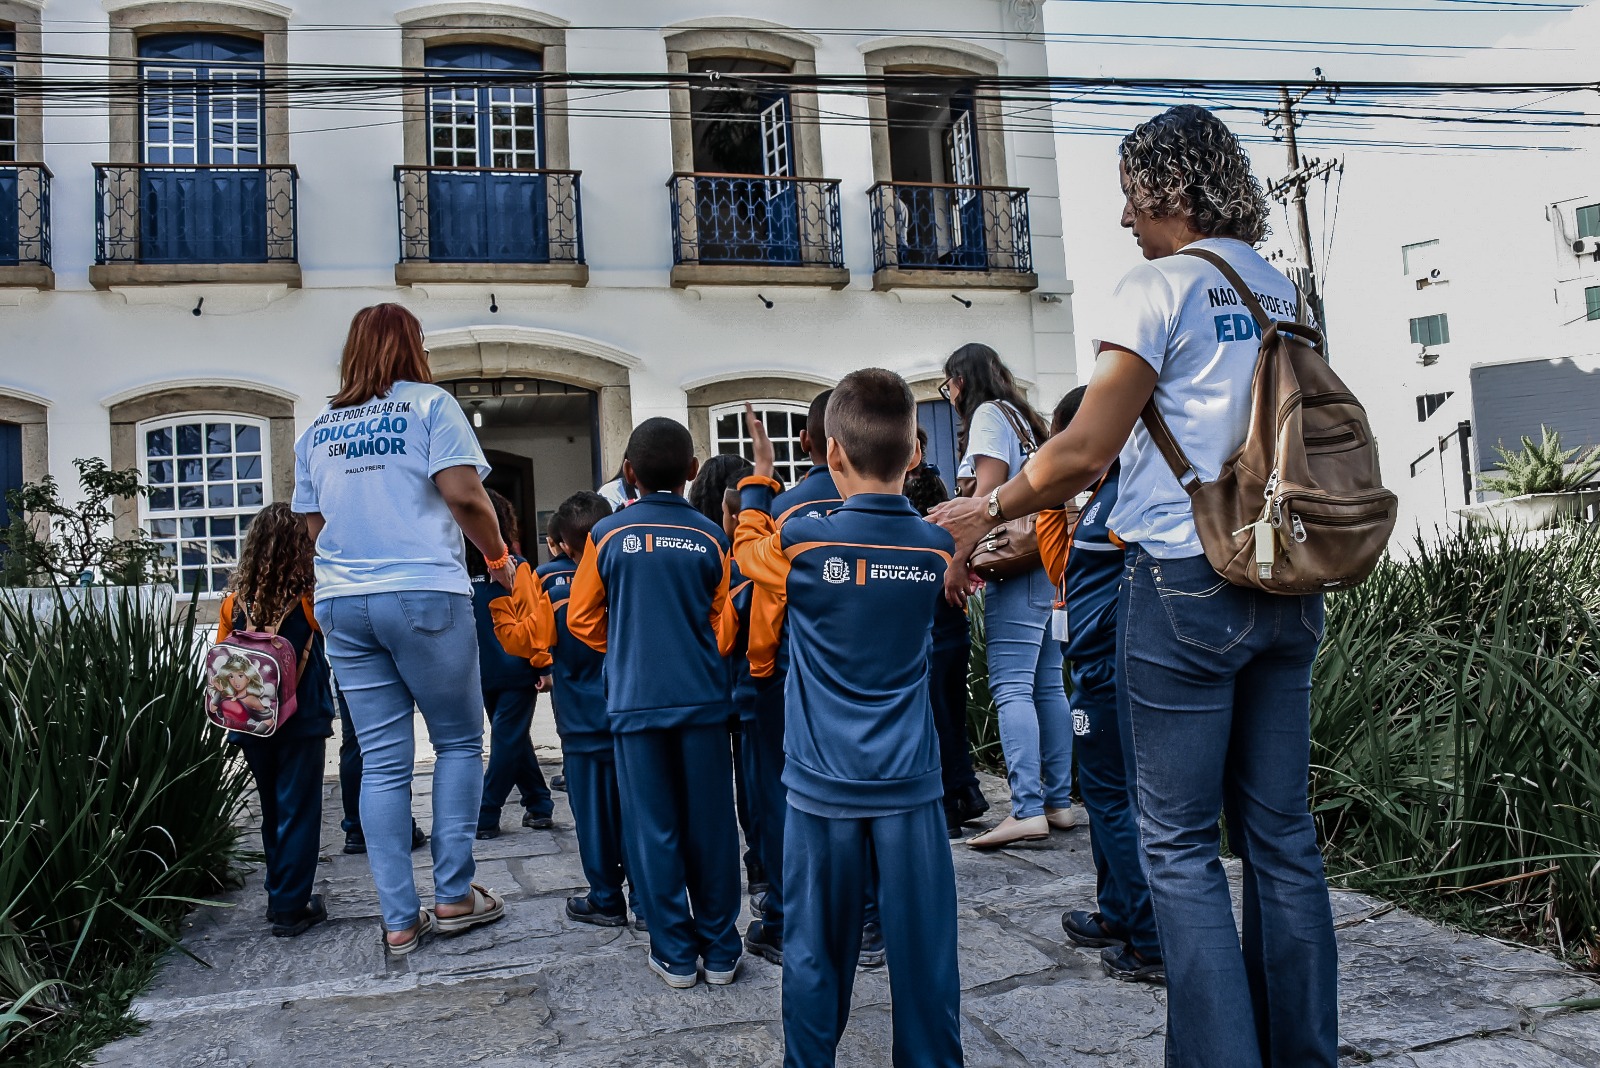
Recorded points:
1186,161
717,475
275,565
510,532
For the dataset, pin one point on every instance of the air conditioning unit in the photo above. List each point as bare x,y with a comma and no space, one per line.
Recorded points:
1430,277
1586,246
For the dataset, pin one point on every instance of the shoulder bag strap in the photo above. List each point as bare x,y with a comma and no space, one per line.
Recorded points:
1020,427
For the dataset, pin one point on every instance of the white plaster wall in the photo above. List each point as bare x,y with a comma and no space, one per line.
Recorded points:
78,347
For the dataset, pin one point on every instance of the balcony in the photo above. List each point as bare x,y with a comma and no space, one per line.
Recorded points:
172,223
25,226
488,225
930,235
741,229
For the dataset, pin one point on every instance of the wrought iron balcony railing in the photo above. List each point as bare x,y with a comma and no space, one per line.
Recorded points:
489,215
189,213
930,226
755,220
24,215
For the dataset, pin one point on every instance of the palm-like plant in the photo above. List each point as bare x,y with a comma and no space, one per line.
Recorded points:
1542,468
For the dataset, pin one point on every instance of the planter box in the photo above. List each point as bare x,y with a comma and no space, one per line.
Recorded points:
42,602
1531,511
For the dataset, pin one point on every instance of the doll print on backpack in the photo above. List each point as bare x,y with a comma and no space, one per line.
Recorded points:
239,697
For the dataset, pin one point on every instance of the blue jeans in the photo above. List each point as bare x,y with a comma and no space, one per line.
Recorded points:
1215,702
1025,680
512,761
394,653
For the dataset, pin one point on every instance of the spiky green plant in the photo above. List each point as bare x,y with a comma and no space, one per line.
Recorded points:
1544,467
1456,733
117,802
983,715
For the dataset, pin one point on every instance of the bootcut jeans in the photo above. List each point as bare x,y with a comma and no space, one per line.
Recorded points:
392,653
1025,680
1215,709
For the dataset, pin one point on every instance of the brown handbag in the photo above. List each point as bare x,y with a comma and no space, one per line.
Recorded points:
1300,507
1012,547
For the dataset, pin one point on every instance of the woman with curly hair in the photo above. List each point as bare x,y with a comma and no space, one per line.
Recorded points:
271,587
1216,678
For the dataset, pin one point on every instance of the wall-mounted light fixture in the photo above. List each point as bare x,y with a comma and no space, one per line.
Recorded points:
963,301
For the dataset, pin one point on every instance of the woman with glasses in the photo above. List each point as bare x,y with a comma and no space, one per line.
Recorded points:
999,428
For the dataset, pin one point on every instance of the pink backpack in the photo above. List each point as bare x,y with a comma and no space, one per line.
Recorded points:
251,677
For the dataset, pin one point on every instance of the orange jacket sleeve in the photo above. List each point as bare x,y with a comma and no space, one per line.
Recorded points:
225,618
724,617
525,622
586,605
756,547
1054,538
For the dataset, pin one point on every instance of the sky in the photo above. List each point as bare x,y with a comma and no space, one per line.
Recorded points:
1447,41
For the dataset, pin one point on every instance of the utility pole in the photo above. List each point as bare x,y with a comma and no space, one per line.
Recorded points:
1291,190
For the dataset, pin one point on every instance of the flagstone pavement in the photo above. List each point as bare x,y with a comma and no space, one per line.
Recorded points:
536,989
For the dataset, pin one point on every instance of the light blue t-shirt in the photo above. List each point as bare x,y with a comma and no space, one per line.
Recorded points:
369,471
1183,318
991,434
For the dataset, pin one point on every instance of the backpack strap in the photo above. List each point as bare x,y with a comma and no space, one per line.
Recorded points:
1263,320
1171,451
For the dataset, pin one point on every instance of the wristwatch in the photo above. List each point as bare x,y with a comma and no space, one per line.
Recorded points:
994,506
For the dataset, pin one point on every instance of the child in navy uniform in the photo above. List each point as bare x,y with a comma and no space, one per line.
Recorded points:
510,695
862,768
533,624
651,592
1085,561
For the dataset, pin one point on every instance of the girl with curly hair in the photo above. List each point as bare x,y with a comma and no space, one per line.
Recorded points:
1215,678
271,588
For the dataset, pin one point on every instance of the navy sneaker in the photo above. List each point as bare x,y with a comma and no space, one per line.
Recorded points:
582,910
722,974
1127,966
639,924
292,924
1088,929
558,782
486,834
758,903
872,951
765,942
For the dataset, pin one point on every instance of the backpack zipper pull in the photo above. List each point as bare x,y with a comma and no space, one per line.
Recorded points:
1272,485
1298,528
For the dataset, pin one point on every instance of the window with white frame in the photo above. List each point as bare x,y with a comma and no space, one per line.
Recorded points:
783,421
8,100
208,476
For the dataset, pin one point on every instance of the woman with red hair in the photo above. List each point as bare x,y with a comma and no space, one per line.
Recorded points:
389,477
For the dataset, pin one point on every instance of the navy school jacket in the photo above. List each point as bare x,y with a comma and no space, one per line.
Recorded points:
814,495
862,585
497,668
652,594
741,593
1094,572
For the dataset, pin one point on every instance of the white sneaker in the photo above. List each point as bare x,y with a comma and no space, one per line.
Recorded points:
1064,819
673,979
723,977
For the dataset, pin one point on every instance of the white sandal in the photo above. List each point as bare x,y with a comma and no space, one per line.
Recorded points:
486,908
410,945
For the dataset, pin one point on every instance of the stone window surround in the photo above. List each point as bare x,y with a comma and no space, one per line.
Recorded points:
764,386
485,23
256,19
23,19
737,38
33,415
165,399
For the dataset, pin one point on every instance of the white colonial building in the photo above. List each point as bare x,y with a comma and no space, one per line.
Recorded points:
186,233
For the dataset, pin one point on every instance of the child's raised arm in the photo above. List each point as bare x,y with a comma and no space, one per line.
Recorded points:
525,622
756,544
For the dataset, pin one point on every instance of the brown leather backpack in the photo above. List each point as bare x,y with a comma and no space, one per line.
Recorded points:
1300,507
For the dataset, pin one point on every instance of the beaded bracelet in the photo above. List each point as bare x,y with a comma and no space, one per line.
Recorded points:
496,565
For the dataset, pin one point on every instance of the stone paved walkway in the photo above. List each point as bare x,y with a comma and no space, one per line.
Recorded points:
539,990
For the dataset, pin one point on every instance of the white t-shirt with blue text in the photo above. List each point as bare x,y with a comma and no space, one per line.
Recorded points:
991,434
368,470
1183,318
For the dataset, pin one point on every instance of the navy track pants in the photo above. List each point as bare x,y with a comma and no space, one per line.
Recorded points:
597,818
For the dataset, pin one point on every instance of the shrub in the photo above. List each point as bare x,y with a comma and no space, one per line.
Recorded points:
117,805
79,541
1456,733
983,715
1542,468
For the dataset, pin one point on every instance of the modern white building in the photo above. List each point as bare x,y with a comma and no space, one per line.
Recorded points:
186,233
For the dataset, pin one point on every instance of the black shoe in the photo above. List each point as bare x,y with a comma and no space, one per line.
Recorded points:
580,909
755,887
954,830
966,807
419,837
765,942
355,842
639,924
872,953
558,782
1127,966
758,903
486,834
290,924
1088,929
538,823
